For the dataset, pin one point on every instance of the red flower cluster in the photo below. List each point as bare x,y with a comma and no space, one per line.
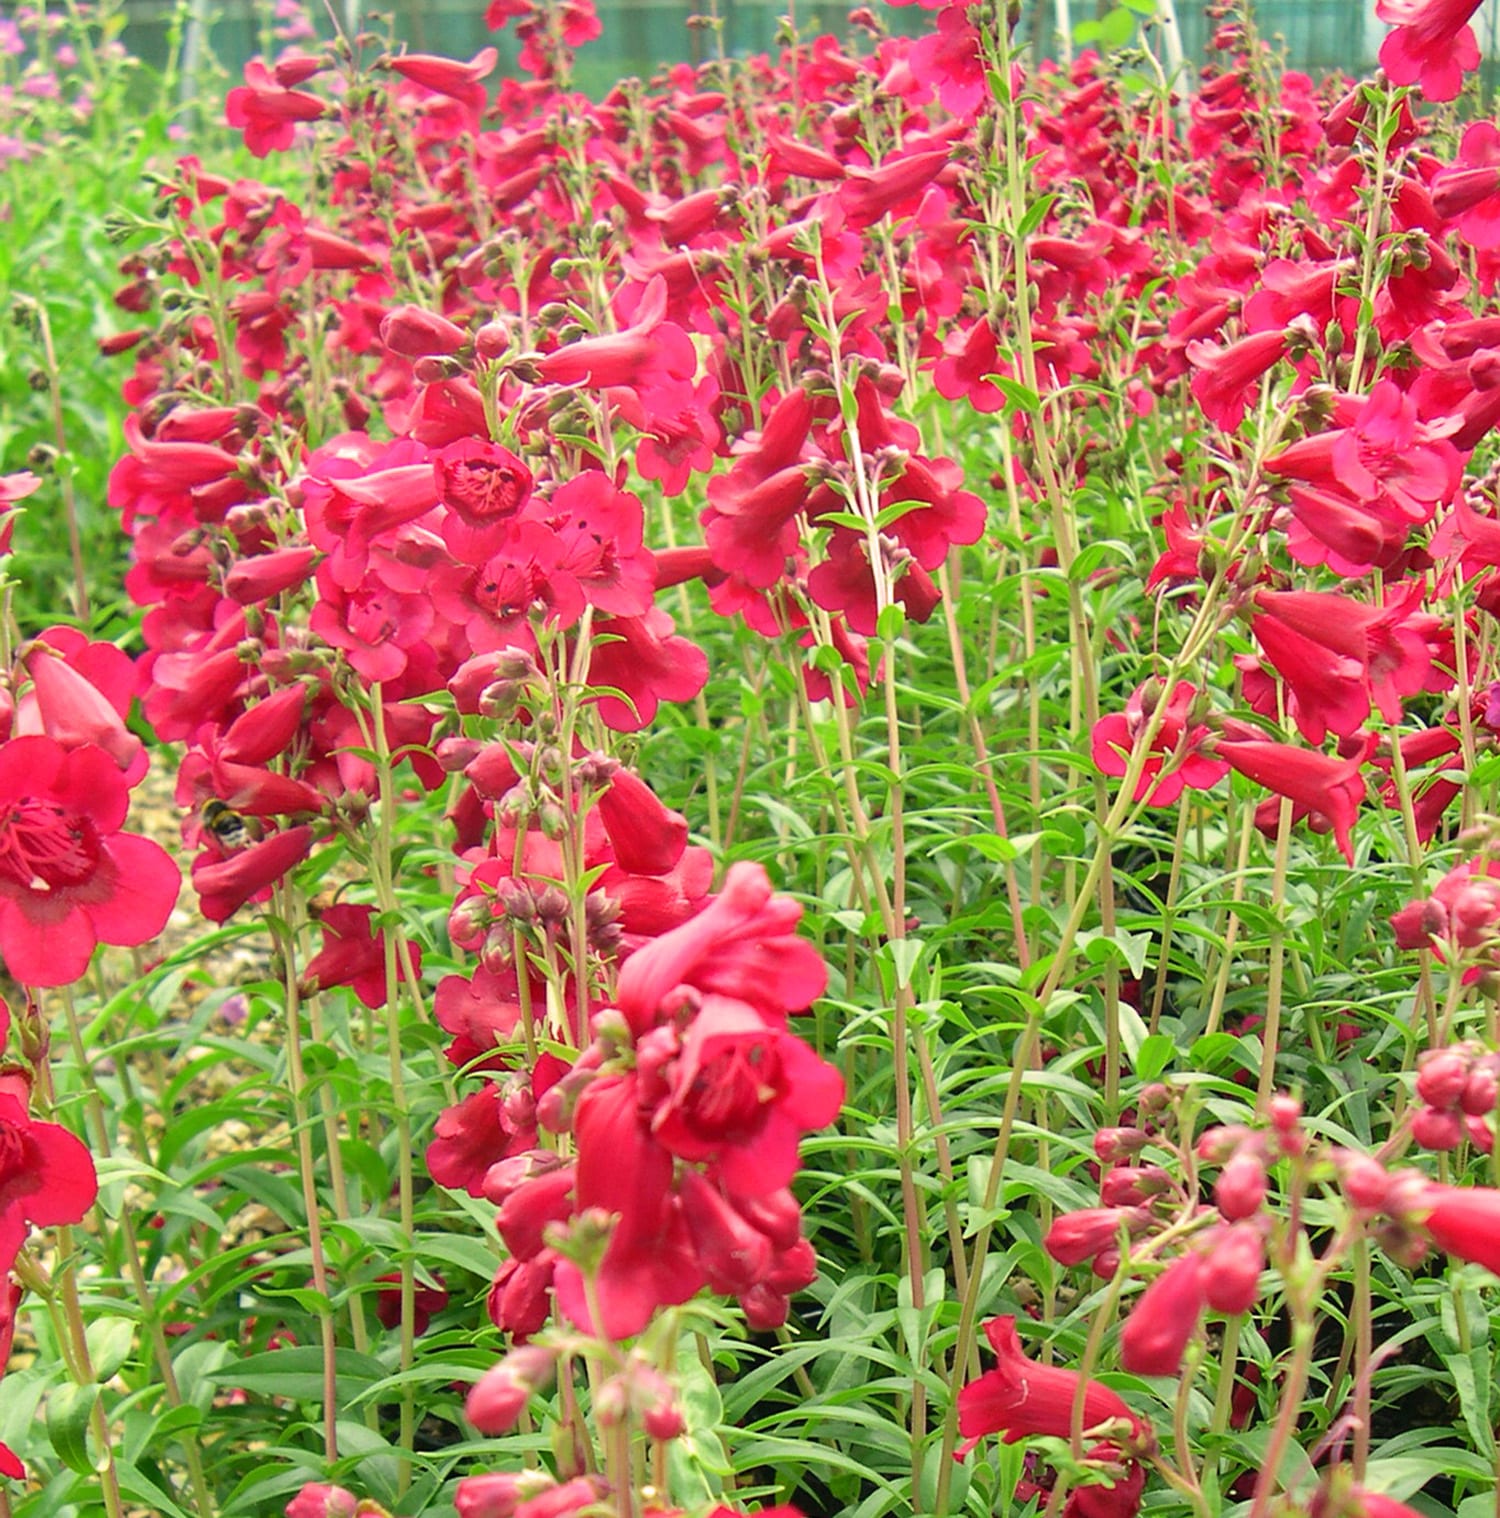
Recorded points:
686,1112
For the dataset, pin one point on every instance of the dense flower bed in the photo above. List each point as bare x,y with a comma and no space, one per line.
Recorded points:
1073,497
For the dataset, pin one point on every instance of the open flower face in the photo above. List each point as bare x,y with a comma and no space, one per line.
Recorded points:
69,879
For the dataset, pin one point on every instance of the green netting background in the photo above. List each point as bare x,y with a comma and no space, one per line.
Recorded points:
1320,36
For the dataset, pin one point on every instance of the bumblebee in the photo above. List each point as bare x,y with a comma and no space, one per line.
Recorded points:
226,825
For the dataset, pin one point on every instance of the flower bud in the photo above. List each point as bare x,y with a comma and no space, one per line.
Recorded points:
765,1310
507,1175
1366,1182
495,1495
1079,1236
1442,1075
1437,1130
492,339
1112,1146
1231,1280
1218,1145
1241,1187
320,1499
496,1399
414,332
1131,1185
1481,1092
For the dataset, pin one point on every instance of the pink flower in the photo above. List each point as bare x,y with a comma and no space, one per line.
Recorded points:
1174,749
226,883
1162,1322
1320,784
1432,45
1021,1397
353,954
266,113
1468,194
46,1177
1465,1221
69,879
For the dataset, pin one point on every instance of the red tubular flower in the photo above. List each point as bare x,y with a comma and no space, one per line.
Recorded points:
1176,745
482,1129
734,1255
742,944
648,663
650,1261
71,707
266,113
867,194
10,1300
353,954
646,837
1468,194
69,879
426,1300
447,76
225,884
1020,1397
46,1177
1465,1221
520,1298
788,156
257,579
650,350
1328,787
1161,1323
1432,45
265,730
1223,376
740,1095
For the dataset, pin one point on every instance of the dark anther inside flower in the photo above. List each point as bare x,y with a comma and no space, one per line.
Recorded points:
481,482
42,847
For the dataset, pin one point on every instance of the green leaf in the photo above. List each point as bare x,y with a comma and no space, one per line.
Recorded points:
1116,28
136,1484
1018,397
109,1341
69,1409
1036,214
297,1372
1153,1056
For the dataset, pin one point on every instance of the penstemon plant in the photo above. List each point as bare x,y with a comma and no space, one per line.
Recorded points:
833,721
